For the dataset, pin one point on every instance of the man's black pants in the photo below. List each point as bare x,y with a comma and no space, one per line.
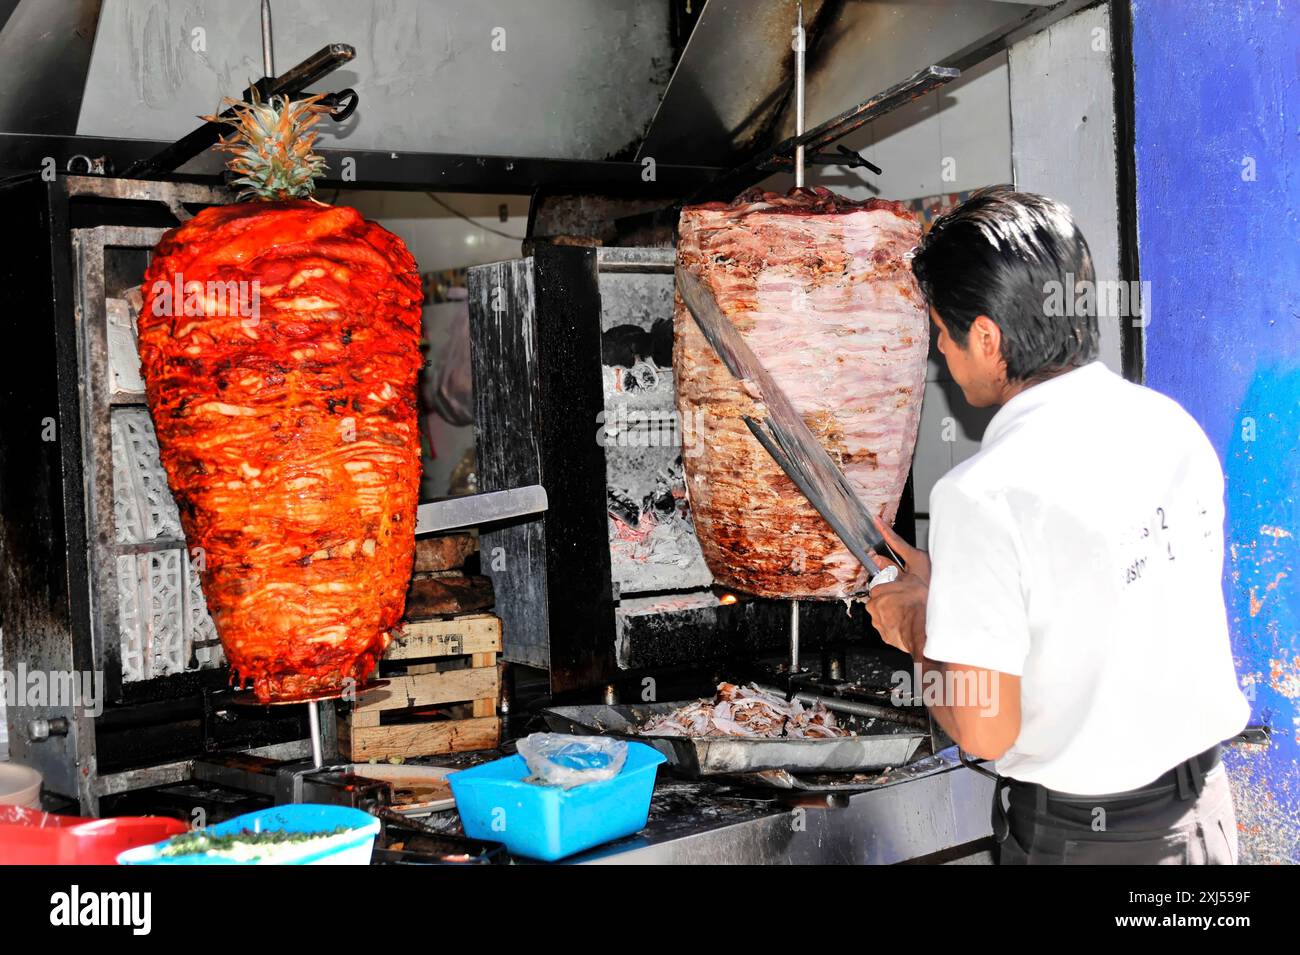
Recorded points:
1183,818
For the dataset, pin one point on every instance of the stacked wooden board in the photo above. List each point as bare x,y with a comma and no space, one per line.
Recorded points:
441,666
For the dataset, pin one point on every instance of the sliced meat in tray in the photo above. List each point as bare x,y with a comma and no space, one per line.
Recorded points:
877,745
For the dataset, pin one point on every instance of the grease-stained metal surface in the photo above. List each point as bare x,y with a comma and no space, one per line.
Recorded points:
932,805
731,83
872,44
503,334
781,155
45,51
937,807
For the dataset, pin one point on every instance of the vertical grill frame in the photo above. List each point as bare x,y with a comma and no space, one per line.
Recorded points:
58,596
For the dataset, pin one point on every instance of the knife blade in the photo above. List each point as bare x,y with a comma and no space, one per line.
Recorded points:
470,510
784,434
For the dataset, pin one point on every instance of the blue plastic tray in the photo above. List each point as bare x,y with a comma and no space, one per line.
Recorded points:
546,822
353,847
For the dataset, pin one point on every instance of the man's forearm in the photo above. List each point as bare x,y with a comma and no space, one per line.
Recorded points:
940,707
967,701
977,707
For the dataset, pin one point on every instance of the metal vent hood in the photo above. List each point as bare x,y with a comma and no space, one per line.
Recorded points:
701,83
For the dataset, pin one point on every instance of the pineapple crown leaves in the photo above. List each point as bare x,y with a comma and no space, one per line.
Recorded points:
271,146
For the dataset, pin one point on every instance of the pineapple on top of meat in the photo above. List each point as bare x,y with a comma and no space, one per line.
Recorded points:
279,340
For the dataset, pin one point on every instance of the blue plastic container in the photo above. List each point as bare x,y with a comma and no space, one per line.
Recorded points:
352,847
549,823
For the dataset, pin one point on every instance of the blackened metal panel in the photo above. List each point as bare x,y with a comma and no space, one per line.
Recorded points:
446,172
573,466
51,548
503,343
664,631
96,443
44,595
1133,341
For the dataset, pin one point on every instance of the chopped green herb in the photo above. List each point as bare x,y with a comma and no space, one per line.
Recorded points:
245,843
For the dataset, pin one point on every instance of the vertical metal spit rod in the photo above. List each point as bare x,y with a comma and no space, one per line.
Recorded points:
798,96
268,58
313,720
794,638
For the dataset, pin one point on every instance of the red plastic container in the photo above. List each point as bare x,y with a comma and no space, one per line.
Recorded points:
32,837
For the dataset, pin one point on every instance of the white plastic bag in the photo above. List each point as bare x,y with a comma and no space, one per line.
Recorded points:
555,759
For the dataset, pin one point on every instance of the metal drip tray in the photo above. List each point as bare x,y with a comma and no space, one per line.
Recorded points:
878,744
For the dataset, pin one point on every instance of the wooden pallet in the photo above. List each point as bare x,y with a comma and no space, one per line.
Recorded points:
443,684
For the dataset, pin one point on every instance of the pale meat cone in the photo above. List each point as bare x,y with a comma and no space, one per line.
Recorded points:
821,289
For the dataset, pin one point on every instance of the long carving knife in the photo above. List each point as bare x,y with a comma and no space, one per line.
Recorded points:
471,510
783,432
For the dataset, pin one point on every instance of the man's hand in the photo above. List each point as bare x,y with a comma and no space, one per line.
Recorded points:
984,723
897,610
915,562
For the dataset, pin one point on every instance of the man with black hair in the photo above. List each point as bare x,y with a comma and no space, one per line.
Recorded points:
1070,608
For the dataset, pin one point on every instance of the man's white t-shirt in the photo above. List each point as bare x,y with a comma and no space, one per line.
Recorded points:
1082,550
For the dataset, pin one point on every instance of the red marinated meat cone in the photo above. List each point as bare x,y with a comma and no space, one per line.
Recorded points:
280,348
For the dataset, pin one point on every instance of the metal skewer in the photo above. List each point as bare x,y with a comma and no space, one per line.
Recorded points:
798,181
794,638
268,58
313,700
798,95
313,721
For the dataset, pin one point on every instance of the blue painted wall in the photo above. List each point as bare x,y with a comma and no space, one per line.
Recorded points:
1217,97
